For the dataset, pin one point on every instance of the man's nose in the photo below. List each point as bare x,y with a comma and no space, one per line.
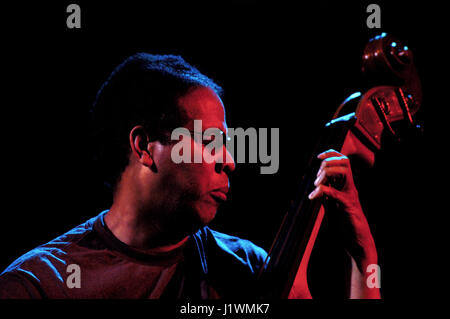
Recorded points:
227,164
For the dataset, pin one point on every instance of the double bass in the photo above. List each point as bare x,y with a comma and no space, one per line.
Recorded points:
357,129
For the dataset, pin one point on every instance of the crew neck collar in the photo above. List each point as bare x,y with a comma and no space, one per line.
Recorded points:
144,255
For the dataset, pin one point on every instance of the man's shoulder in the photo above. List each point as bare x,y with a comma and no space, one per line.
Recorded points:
230,262
236,244
49,259
242,250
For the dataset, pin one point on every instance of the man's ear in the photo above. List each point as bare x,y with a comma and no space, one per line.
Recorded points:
139,146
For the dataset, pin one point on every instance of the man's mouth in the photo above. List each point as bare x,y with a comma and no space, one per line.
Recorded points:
220,194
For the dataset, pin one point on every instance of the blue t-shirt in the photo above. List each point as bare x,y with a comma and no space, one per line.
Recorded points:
90,262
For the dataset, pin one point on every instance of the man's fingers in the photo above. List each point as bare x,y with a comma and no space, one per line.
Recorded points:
323,190
335,161
331,176
329,153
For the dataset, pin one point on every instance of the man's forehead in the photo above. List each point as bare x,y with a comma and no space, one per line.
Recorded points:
203,104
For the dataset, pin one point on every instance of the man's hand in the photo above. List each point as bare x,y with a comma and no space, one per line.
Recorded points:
334,184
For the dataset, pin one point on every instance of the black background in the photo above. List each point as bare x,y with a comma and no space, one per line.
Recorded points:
281,64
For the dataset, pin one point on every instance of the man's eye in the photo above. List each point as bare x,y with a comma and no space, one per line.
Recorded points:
208,139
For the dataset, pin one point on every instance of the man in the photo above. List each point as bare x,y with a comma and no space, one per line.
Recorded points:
154,242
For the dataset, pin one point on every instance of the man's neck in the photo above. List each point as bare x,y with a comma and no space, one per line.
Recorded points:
140,232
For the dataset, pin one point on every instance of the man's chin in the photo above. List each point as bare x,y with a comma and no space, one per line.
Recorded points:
205,214
196,216
207,218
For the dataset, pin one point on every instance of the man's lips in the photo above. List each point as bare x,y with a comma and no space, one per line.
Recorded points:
220,194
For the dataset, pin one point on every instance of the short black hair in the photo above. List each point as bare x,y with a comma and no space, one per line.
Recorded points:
143,90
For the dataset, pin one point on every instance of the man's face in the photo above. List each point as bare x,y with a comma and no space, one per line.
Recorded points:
195,190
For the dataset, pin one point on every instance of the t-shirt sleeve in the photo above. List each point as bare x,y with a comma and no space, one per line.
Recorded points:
13,286
233,264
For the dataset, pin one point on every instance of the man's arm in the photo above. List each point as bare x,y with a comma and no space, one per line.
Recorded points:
335,184
359,278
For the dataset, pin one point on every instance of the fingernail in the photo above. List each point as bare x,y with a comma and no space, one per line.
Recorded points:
316,181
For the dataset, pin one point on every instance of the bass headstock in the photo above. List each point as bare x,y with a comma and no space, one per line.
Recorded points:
396,97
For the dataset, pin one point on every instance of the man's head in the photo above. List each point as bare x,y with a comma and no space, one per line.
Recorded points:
144,99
